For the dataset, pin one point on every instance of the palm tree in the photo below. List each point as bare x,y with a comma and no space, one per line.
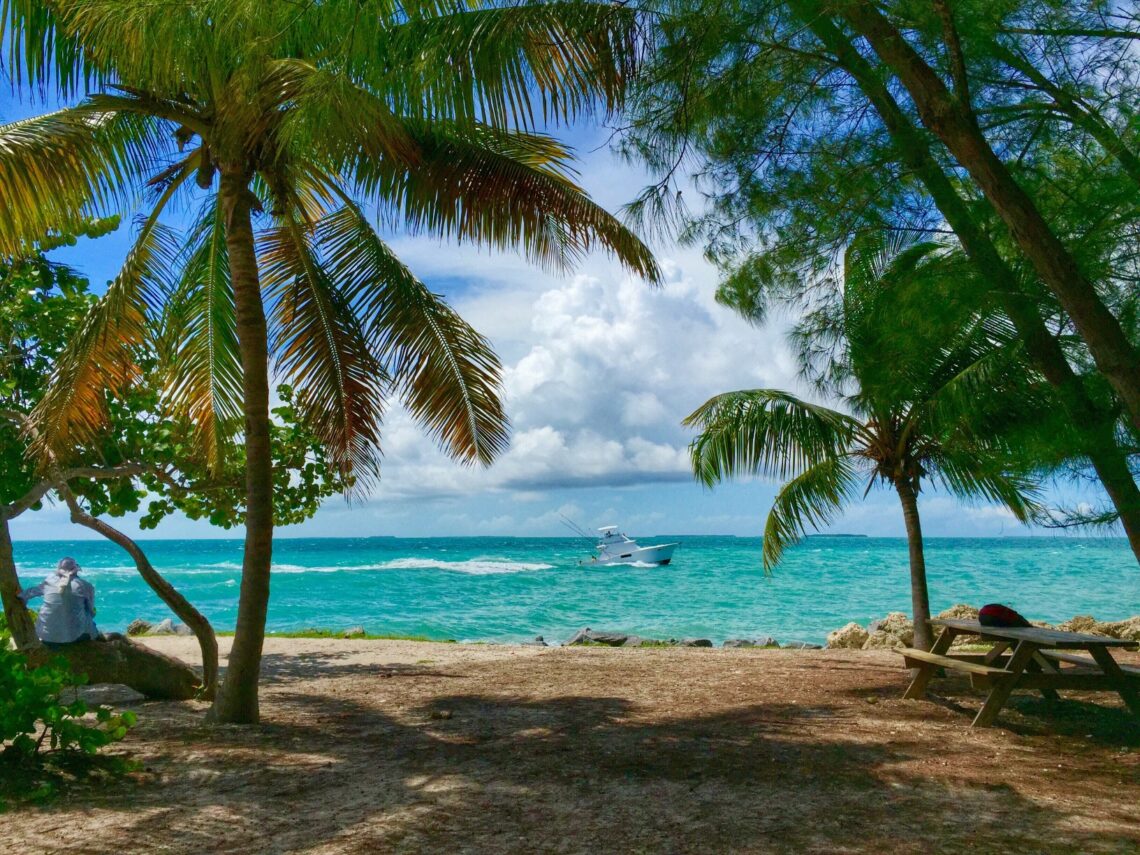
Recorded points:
916,411
285,123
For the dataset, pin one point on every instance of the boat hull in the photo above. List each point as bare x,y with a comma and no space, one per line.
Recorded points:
660,555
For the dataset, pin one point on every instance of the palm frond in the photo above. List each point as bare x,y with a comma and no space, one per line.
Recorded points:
60,168
765,431
812,499
508,65
446,373
100,360
975,473
204,362
321,348
499,189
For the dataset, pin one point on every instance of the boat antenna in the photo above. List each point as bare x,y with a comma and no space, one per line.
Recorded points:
574,527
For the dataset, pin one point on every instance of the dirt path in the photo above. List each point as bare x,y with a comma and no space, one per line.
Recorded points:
408,747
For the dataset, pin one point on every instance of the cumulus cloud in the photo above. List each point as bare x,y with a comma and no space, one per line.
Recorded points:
604,369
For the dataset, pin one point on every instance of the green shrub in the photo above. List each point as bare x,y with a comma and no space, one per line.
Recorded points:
35,717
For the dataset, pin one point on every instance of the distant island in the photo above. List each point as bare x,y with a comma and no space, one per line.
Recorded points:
836,535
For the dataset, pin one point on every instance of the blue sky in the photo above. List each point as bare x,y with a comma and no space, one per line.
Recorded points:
599,371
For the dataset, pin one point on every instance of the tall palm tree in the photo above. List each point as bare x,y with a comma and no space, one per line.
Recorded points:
285,123
917,411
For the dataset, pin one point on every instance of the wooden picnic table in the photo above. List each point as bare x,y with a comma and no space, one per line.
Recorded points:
1037,660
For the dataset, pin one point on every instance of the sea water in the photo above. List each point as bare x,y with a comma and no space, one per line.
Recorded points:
511,589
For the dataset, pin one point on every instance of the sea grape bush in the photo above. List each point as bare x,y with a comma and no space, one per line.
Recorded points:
34,717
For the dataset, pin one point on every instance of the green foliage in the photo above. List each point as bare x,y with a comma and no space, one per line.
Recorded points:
35,717
929,403
42,305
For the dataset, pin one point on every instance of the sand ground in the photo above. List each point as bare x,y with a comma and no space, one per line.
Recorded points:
388,746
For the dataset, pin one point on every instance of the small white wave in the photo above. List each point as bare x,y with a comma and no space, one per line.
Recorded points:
472,566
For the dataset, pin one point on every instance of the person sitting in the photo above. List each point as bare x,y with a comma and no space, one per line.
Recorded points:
68,613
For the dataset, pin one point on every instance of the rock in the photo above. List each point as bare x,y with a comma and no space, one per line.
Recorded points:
589,636
767,641
139,627
633,641
802,645
182,629
696,642
580,637
354,632
163,627
1081,623
961,611
851,636
896,623
537,641
739,642
882,640
1127,629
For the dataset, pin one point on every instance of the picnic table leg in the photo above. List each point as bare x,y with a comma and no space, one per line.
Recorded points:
995,700
996,651
1040,665
1104,659
924,672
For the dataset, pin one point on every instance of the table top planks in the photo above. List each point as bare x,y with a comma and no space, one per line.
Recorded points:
1052,639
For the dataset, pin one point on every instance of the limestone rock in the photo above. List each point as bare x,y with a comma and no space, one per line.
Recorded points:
850,636
182,629
802,645
1081,623
696,642
163,627
633,641
883,640
896,624
739,642
537,641
1127,629
354,632
139,627
961,611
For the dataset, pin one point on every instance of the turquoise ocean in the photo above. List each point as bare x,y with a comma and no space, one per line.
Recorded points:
511,589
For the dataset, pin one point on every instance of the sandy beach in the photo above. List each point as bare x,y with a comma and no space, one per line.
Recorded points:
392,746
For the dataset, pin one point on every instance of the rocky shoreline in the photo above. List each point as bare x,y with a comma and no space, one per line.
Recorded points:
894,630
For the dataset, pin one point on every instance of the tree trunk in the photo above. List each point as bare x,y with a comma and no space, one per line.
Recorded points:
1094,425
166,592
118,660
919,597
237,698
1114,354
15,612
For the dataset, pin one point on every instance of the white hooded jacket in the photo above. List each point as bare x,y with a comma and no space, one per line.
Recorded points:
68,612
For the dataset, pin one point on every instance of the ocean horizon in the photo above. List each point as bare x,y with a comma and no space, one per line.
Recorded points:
510,589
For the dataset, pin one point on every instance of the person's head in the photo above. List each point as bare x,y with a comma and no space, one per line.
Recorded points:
67,567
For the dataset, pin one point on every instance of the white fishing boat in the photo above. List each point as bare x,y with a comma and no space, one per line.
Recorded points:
616,548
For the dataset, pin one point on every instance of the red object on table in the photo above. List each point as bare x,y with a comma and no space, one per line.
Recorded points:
995,614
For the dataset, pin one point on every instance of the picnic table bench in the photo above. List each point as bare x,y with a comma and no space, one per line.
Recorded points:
1025,658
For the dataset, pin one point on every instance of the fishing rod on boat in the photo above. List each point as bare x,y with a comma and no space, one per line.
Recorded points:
577,529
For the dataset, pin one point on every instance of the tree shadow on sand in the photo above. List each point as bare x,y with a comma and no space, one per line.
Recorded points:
479,773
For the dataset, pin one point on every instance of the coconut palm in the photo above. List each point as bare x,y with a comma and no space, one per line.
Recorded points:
916,411
287,125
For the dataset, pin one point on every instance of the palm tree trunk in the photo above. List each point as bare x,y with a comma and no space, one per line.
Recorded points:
15,612
237,699
919,597
1093,423
1115,356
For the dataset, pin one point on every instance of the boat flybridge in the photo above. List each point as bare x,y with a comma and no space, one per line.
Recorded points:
616,548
